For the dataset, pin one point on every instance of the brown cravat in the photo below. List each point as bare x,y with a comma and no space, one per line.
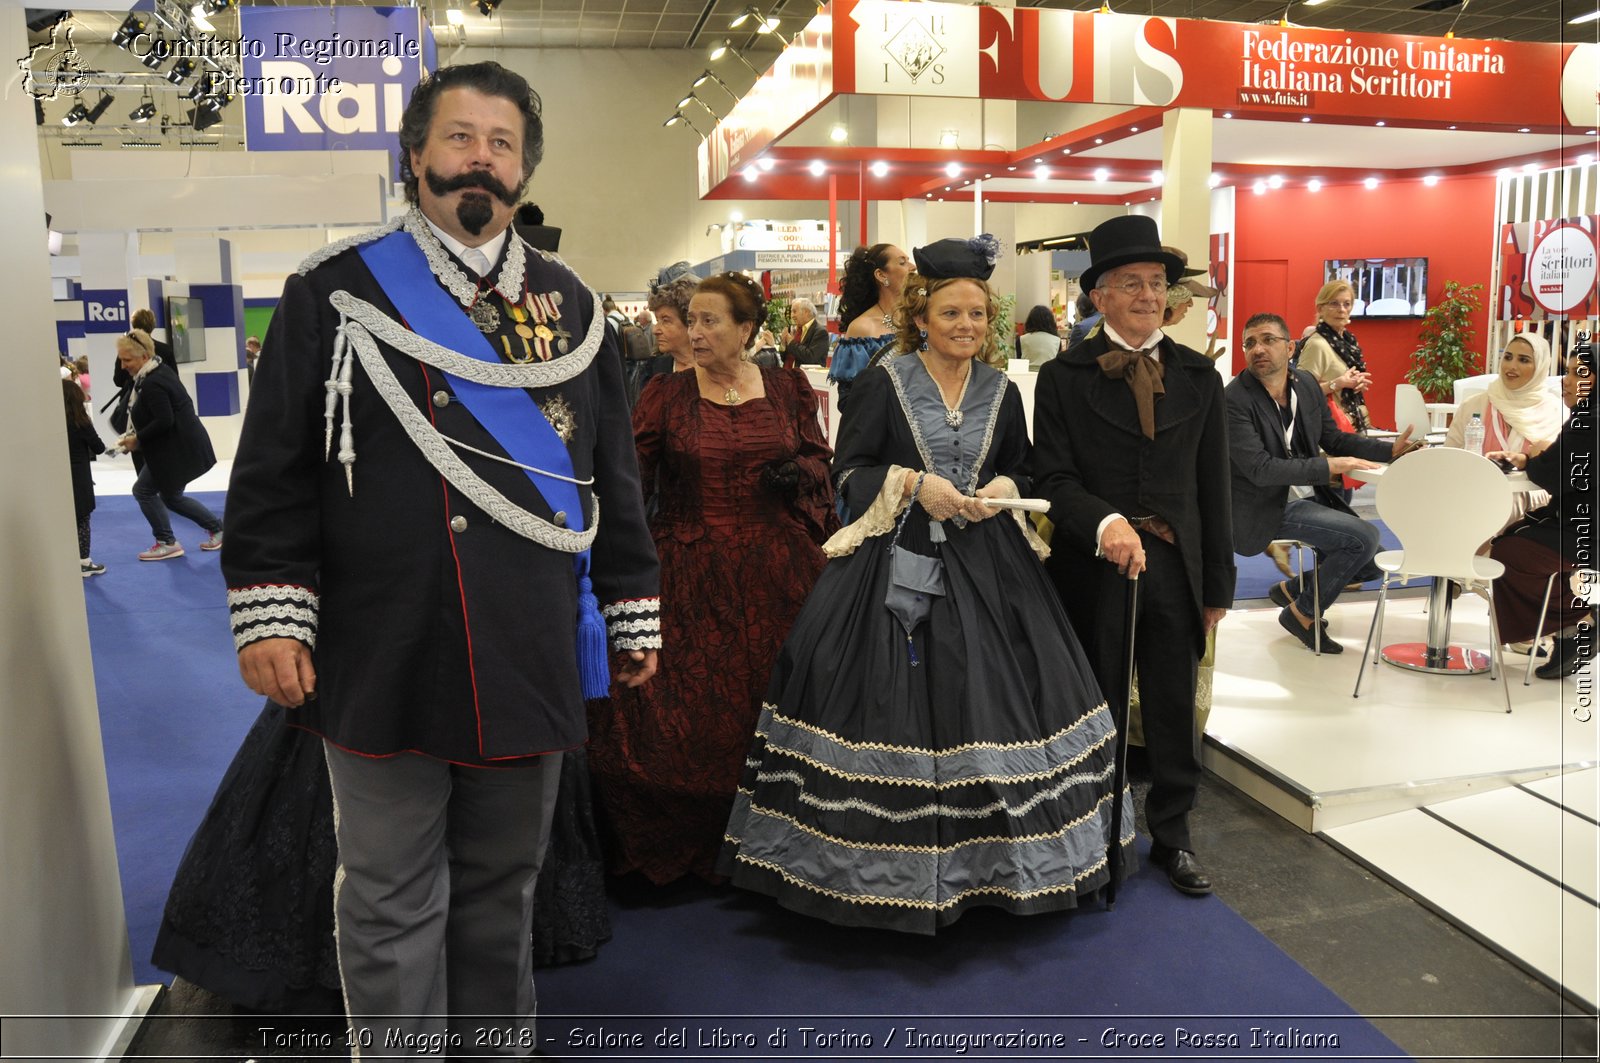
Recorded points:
1143,374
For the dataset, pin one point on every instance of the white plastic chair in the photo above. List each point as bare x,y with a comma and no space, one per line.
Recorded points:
1442,504
1410,409
1585,588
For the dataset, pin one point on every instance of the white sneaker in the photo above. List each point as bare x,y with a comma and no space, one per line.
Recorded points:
162,551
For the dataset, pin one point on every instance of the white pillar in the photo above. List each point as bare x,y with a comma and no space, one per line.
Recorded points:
65,954
1186,201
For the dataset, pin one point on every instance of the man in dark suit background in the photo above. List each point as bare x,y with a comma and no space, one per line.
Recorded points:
1132,452
1278,430
808,340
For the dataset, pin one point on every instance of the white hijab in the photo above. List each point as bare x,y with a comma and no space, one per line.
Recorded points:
1530,411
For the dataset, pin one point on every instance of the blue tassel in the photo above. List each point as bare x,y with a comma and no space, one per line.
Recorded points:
594,666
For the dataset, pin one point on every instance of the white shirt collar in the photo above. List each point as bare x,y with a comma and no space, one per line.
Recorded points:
491,249
1154,338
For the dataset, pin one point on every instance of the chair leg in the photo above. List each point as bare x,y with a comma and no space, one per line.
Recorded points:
1538,631
1495,651
1316,600
1372,630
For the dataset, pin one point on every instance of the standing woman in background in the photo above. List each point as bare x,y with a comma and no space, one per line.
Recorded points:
163,426
670,291
83,446
1040,340
734,461
1332,355
873,279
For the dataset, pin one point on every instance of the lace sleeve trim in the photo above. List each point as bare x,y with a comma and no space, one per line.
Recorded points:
877,520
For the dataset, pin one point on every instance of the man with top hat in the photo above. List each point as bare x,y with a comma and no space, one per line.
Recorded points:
433,519
1131,449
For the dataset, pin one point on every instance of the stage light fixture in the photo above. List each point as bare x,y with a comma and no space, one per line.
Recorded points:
181,71
159,50
143,113
707,75
102,105
679,116
727,48
78,113
693,98
486,8
128,32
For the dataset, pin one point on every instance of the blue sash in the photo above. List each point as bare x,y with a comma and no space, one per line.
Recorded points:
508,414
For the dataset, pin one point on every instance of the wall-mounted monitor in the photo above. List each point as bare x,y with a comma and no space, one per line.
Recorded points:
1384,287
186,328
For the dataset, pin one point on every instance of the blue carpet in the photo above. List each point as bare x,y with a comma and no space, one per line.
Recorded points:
173,711
1258,573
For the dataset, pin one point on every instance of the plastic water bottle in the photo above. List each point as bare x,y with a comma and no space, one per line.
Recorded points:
1472,439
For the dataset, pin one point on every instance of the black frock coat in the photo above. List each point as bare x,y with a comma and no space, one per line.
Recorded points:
174,442
1090,460
437,630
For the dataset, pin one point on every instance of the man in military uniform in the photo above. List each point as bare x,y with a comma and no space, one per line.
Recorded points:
434,516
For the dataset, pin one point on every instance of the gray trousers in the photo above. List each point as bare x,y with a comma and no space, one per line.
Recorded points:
433,901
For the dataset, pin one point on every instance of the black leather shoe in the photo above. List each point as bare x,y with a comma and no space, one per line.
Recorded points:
1566,656
1279,593
1182,870
1290,623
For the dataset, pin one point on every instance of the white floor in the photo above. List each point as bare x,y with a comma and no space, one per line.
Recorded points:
1489,818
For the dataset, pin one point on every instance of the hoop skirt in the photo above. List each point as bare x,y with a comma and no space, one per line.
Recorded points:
738,557
249,916
897,782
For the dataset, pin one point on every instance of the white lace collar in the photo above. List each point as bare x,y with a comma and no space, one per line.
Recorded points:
453,277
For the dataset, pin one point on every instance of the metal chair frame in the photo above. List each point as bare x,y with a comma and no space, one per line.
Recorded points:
1300,547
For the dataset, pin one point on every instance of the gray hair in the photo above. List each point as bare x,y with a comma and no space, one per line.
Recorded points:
800,302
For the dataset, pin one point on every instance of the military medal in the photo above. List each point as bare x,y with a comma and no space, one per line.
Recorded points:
544,312
485,316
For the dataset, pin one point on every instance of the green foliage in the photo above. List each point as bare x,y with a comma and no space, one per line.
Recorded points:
1005,333
778,315
1444,353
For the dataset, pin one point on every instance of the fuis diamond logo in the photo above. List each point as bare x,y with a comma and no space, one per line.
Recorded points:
914,48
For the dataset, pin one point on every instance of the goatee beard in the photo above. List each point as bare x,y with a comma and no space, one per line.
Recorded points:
474,212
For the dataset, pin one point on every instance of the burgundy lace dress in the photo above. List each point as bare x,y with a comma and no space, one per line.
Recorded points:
739,553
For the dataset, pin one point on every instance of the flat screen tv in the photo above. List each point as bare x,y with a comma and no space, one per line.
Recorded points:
186,328
1385,287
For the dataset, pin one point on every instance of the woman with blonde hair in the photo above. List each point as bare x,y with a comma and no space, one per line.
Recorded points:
1332,355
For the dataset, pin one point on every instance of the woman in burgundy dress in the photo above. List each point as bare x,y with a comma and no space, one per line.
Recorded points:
740,469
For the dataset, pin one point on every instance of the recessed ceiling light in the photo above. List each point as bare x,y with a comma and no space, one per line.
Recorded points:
1260,187
1227,114
1275,181
1041,173
1157,177
1371,183
1102,175
1214,180
1529,167
1066,151
1524,129
734,215
1133,129
1431,179
766,164
1097,140
839,134
1305,118
952,169
750,173
1010,168
817,168
1314,185
879,169
1381,122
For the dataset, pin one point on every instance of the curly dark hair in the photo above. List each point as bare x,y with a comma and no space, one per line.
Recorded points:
671,289
746,302
858,288
491,79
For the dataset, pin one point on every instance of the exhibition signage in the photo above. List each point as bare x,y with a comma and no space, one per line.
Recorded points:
892,47
1548,269
329,78
105,310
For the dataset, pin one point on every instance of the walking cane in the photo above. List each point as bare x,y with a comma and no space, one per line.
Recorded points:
1119,773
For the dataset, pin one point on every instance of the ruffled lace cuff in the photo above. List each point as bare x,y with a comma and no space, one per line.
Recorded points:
877,520
634,624
273,610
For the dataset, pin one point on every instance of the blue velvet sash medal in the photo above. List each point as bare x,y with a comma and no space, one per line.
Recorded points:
508,414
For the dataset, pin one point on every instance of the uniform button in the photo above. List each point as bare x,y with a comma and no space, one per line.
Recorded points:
441,399
458,524
559,519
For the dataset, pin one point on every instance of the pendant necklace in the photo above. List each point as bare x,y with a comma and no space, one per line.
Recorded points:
953,415
888,317
732,397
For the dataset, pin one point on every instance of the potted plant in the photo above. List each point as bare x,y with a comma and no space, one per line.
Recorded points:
1443,353
1005,333
778,316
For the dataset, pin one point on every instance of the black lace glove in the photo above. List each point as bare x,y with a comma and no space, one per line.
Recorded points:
781,477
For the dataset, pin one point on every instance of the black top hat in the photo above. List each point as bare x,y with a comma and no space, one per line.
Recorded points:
1121,241
957,258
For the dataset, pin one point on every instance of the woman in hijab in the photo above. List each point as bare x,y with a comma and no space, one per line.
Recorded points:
1518,413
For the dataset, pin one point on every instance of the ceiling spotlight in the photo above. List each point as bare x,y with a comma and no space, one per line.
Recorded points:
693,98
1097,140
1430,179
1214,180
952,169
1314,185
131,29
455,16
817,168
727,48
100,108
1259,187
1227,114
1102,175
78,113
949,138
679,116
749,173
879,169
181,70
1066,151
1157,177
205,115
707,75
487,8
159,50
1305,118
759,22
213,7
1371,183
1133,129
1585,159
766,164
1041,173
735,216
144,112
1275,181
1524,129
1381,123
838,134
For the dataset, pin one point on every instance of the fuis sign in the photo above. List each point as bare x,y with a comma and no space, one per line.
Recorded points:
1086,57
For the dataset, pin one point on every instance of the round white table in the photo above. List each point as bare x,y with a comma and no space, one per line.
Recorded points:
1436,655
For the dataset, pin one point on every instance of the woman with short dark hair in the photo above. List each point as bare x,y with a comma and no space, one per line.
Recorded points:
1041,339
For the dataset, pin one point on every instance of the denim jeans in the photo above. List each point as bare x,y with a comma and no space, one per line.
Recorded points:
1344,544
154,503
